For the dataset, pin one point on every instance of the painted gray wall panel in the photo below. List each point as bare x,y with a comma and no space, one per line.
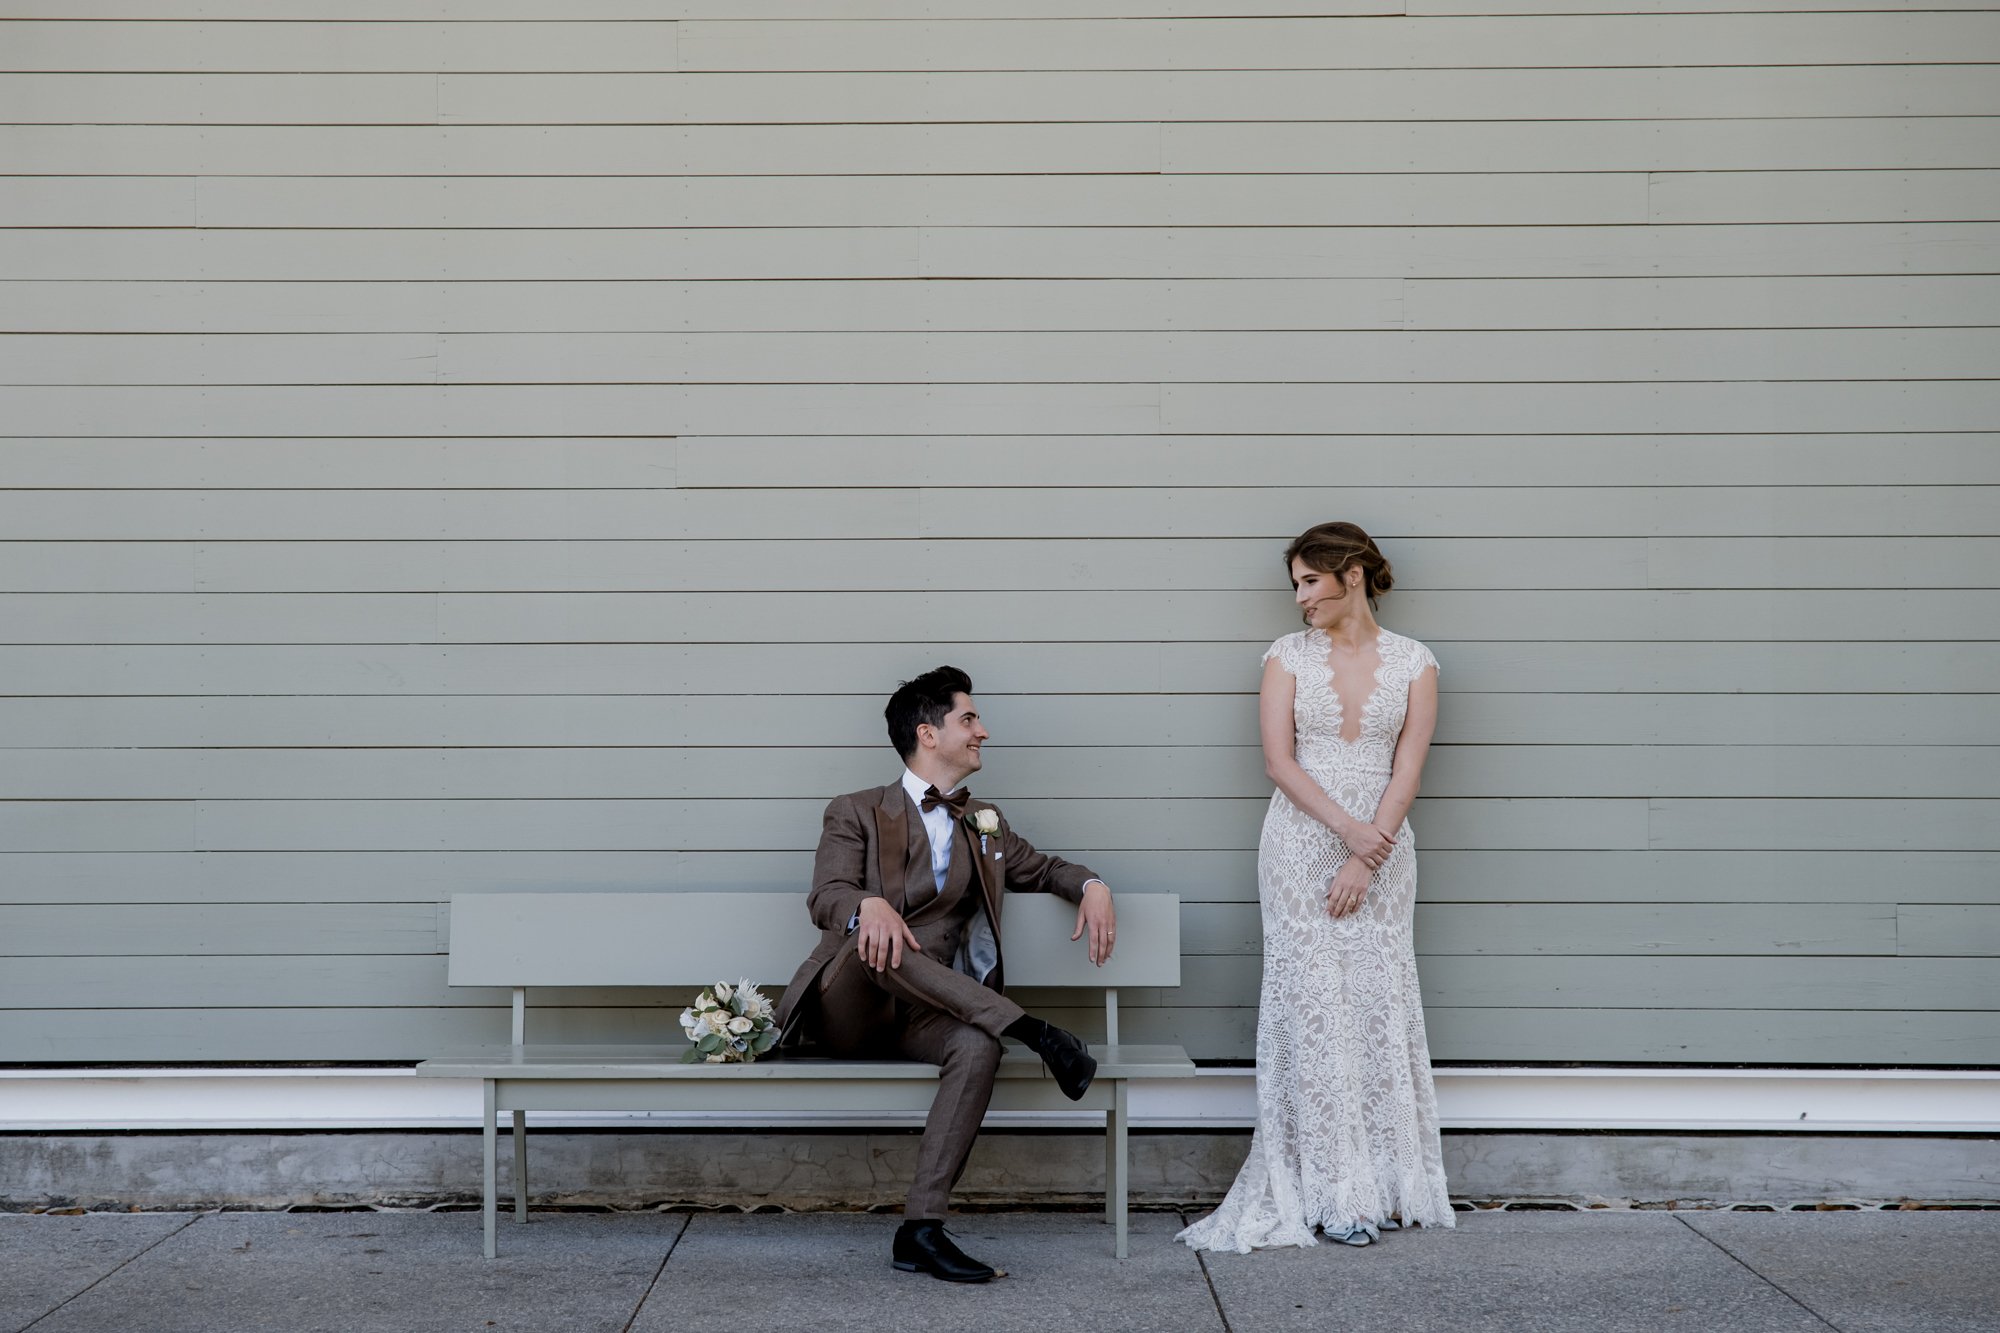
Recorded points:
1480,876
1075,771
727,305
314,47
999,512
1607,691
1174,824
1367,460
751,617
1089,44
181,930
393,464
1566,408
1251,43
627,10
1516,930
1717,145
1953,825
1067,564
1551,616
1948,930
1681,986
1522,199
624,150
162,201
517,515
1418,252
1752,1036
418,981
1867,985
419,254
716,305
1192,461
381,719
1405,95
1064,563
460,452
1792,302
1409,96
1749,1036
1055,356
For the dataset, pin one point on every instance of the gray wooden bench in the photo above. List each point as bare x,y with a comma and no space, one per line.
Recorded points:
685,941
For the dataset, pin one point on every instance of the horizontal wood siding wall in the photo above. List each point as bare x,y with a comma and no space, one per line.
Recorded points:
472,444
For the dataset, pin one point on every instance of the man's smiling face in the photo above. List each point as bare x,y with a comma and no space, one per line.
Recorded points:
954,743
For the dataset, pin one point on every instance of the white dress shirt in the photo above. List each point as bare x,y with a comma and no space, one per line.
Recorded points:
937,826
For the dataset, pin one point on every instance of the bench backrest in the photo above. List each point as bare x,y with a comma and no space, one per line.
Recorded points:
692,939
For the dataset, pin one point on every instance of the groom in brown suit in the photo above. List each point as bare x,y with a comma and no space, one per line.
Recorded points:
907,893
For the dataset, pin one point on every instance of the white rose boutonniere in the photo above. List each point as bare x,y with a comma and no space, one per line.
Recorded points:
984,822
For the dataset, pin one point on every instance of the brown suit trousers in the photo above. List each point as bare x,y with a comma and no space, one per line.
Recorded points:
874,844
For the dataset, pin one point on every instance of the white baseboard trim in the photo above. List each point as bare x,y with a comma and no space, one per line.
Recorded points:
1635,1099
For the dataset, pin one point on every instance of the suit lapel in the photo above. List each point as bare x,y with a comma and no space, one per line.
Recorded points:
893,843
990,870
919,884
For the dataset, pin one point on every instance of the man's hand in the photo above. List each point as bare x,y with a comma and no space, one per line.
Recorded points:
883,935
1100,918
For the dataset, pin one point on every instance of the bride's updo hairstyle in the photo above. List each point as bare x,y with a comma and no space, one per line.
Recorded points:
1334,548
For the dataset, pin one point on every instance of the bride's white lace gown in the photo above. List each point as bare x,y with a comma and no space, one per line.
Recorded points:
1347,1123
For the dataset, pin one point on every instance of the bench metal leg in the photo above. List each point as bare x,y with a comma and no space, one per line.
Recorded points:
521,1167
1110,1166
489,1141
1118,1184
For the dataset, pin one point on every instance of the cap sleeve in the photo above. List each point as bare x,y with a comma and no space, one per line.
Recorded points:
1281,649
1426,658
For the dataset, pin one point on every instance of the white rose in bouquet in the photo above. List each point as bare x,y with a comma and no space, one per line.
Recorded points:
728,1024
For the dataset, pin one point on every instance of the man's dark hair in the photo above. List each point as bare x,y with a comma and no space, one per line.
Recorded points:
923,701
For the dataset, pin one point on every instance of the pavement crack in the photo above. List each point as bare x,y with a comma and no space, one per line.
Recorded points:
1759,1276
687,1219
129,1259
1209,1278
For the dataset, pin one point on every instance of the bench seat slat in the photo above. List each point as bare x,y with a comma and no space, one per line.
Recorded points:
663,1062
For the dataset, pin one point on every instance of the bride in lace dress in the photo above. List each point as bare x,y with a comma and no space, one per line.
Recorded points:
1347,1129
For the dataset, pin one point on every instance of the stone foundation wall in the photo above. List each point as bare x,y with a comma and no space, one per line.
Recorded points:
870,1169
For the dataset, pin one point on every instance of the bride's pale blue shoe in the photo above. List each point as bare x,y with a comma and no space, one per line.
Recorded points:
1361,1233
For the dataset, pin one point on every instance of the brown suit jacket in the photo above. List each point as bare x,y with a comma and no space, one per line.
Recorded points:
872,844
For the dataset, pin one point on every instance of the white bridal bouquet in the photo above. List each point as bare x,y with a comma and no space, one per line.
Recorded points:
728,1024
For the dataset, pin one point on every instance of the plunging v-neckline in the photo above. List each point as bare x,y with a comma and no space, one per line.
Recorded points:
1333,687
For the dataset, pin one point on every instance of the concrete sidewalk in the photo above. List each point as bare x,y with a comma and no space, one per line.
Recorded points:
1522,1272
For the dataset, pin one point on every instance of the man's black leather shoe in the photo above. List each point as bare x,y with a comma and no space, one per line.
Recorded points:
922,1246
1068,1059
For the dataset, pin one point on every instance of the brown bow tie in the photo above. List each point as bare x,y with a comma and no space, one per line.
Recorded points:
933,798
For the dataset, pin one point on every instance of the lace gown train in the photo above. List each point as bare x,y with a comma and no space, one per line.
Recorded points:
1347,1124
